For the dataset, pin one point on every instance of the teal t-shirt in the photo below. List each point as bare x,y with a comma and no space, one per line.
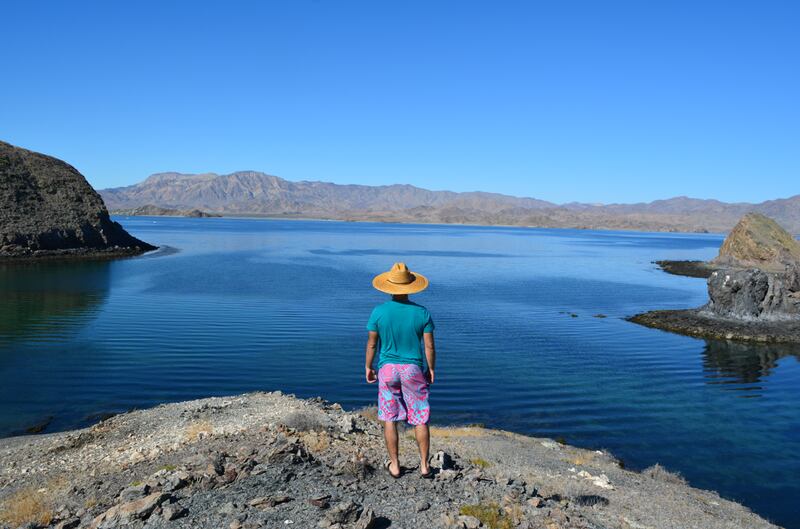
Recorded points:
400,326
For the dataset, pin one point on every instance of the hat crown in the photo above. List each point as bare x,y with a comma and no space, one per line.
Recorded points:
400,275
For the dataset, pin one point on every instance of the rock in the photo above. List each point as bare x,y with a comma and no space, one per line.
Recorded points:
758,242
442,461
228,508
754,294
366,520
229,476
446,475
173,511
125,512
345,512
216,464
70,523
264,502
535,502
48,208
321,502
470,522
422,506
134,492
346,424
175,481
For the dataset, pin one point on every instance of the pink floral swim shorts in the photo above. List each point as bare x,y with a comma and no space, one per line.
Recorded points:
403,394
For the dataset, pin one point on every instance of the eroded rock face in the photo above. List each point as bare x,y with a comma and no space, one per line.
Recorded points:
48,208
758,242
754,294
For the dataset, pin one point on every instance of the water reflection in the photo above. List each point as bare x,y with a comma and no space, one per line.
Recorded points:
43,300
743,363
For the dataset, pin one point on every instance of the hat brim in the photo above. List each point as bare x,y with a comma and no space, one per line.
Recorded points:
382,283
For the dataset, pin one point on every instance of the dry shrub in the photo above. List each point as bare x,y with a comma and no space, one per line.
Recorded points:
479,462
317,441
198,429
489,514
581,458
662,474
465,431
304,422
27,505
369,412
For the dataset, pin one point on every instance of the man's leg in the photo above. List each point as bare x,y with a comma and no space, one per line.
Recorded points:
390,435
423,441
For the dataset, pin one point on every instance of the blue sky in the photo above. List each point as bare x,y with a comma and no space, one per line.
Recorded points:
587,101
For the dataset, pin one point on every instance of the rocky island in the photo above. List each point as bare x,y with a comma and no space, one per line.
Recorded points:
48,209
272,460
753,288
150,210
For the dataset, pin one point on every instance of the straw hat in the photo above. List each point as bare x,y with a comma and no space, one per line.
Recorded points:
400,280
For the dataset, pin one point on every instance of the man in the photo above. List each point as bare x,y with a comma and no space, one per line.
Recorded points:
398,326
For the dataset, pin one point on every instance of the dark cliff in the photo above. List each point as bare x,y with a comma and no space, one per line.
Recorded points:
47,208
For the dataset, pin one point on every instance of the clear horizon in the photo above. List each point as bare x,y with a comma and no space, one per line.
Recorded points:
615,103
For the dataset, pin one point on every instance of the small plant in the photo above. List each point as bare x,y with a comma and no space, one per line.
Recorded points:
369,413
168,468
198,429
317,442
304,422
561,440
662,474
135,484
489,514
26,505
478,462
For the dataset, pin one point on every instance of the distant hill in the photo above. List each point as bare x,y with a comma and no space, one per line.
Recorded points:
255,193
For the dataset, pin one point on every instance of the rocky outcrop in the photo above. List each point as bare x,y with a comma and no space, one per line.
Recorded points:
271,460
758,242
754,294
47,208
753,287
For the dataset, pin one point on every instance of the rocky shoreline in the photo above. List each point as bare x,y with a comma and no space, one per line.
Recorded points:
272,460
687,268
701,324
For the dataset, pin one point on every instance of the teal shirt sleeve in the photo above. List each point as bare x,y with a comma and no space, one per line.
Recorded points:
372,323
429,326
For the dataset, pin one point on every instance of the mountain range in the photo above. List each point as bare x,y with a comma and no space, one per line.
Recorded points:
253,193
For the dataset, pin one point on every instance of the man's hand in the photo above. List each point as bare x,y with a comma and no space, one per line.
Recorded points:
429,376
371,376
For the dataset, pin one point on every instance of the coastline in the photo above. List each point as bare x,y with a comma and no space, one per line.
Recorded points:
260,459
254,216
75,254
696,323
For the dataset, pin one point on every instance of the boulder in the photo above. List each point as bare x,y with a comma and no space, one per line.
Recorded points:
758,242
48,208
754,295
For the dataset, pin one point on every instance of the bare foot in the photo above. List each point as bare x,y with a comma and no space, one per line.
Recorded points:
424,469
394,470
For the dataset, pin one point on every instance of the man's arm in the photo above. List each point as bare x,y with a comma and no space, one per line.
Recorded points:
430,354
372,343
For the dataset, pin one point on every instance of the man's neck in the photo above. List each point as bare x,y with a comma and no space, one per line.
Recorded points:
399,297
